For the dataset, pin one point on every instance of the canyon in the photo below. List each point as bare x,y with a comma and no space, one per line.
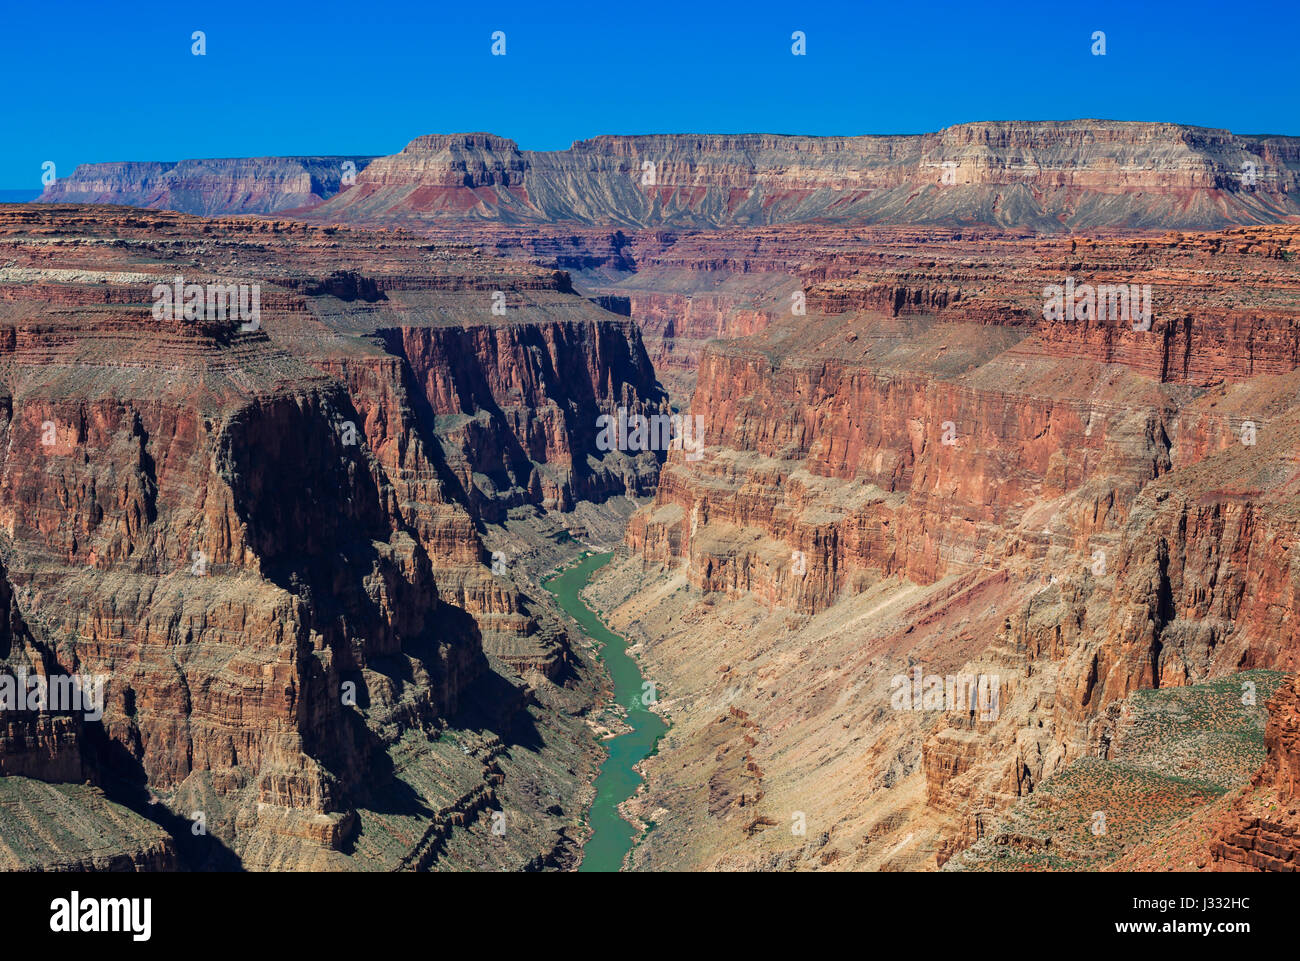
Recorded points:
273,542
939,476
909,465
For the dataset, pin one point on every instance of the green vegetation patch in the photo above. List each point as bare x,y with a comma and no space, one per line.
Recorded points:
1179,749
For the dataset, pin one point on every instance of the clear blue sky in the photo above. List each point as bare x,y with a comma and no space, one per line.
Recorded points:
88,82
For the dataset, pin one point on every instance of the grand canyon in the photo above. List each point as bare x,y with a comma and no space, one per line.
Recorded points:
897,503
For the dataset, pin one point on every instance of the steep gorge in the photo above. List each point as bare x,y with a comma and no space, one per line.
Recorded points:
907,468
1082,511
270,541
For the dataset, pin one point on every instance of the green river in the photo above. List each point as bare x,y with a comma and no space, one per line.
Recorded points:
611,837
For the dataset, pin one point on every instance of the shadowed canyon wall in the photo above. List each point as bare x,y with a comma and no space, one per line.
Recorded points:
266,536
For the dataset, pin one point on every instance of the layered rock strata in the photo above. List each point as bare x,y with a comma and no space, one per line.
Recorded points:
255,185
265,533
1047,176
1080,509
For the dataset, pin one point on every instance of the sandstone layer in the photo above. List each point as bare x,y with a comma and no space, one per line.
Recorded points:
925,472
1048,176
270,536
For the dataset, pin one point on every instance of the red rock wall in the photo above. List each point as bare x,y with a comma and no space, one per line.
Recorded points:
323,561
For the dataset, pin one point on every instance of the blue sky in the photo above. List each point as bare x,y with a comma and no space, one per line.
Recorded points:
91,82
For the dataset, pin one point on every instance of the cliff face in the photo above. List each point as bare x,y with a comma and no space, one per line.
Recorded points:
1046,176
942,477
686,288
1260,833
255,185
521,406
975,420
266,540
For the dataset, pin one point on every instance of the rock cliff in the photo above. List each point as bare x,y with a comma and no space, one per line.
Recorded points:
267,537
1261,832
946,478
1049,176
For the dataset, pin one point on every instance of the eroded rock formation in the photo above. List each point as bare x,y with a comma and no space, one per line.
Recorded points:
1080,508
1046,176
1262,832
265,533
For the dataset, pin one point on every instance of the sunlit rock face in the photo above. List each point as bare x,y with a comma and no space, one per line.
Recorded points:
1046,176
264,531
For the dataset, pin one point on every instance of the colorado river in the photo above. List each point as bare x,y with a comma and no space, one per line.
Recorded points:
611,836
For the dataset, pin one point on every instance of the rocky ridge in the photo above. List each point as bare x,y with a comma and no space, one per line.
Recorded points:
254,185
1049,176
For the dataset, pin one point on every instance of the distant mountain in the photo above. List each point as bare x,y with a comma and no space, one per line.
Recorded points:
1041,176
254,185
